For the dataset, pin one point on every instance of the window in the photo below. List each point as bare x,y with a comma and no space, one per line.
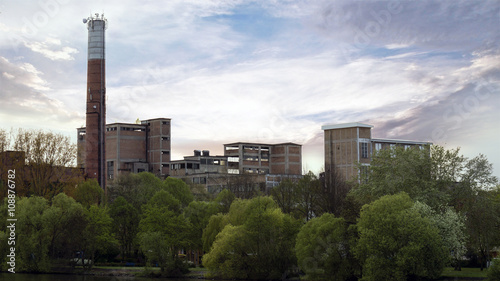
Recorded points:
111,170
364,150
233,159
378,146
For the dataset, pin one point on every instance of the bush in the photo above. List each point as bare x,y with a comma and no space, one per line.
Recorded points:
494,271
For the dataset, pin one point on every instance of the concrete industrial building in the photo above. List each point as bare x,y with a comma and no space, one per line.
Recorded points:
139,147
259,158
350,144
265,163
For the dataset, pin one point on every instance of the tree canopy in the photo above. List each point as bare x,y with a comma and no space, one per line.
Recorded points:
396,242
256,241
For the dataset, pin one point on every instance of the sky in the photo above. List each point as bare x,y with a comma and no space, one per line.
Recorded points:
266,71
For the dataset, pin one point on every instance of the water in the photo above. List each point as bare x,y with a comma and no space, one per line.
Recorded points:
66,277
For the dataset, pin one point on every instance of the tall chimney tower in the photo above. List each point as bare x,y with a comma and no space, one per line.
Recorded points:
95,157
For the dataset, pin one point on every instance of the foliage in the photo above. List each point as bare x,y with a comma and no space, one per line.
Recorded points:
97,236
64,222
451,226
396,242
494,271
47,157
198,213
32,247
163,231
322,249
483,225
333,194
125,224
224,200
179,189
215,225
256,241
284,195
137,189
303,199
88,193
434,176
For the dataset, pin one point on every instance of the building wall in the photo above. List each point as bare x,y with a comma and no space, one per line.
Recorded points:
264,158
286,159
159,145
342,149
133,147
351,144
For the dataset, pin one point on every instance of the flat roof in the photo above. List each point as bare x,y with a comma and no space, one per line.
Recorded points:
402,141
267,144
345,125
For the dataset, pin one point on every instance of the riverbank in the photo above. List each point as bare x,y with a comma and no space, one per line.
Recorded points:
464,274
200,273
194,273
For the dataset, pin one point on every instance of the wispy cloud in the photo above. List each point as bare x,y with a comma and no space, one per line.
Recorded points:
47,49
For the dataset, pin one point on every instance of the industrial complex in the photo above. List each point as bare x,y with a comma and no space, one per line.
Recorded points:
108,150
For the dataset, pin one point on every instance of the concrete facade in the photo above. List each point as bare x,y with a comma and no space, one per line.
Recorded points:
133,147
350,144
259,163
259,158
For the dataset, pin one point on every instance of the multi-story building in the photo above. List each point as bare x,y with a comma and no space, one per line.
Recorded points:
258,158
350,144
139,147
258,163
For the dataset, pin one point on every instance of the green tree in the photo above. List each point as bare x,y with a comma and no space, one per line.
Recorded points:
397,243
198,214
32,242
434,176
322,249
256,242
451,226
215,225
163,231
88,193
97,236
64,222
284,195
300,199
224,200
308,194
179,189
494,271
125,224
137,189
399,169
483,225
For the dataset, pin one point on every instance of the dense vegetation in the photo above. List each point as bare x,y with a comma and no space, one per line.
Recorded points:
410,214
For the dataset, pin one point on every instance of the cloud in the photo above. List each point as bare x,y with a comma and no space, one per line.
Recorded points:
46,49
465,105
443,25
25,100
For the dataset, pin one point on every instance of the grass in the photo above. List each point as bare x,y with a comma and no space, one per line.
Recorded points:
465,272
